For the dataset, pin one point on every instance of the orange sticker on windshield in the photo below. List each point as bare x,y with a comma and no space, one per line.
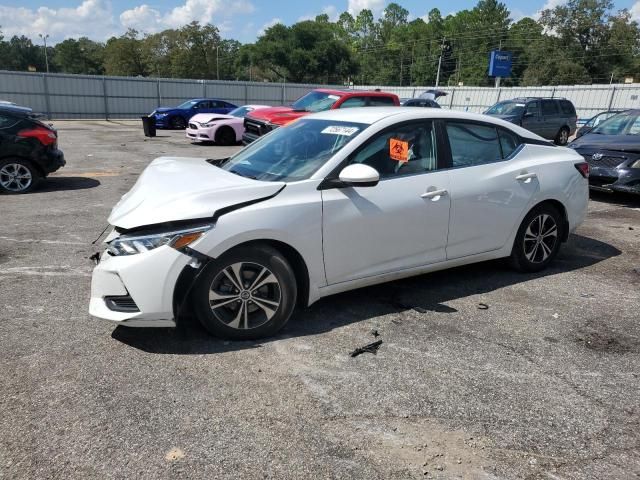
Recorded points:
399,150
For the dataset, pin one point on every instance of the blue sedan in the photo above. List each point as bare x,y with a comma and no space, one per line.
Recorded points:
179,116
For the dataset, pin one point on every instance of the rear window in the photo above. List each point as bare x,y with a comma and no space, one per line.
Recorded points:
381,102
567,107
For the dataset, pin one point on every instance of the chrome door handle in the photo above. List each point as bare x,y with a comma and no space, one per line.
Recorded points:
526,176
434,193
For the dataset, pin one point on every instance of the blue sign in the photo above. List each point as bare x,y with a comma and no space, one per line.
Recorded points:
500,63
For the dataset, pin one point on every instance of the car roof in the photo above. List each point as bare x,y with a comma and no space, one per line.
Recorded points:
344,93
371,115
15,110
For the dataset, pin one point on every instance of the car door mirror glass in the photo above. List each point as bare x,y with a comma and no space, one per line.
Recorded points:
359,175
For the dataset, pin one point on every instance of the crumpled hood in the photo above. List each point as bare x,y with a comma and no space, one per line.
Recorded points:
209,117
277,115
173,188
165,110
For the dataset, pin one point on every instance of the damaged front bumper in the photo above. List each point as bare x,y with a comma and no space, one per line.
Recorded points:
137,290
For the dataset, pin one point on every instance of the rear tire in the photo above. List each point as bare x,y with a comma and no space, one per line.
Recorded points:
177,123
18,176
247,293
226,136
562,138
538,239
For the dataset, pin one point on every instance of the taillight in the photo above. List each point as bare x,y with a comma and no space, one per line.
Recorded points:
45,136
583,168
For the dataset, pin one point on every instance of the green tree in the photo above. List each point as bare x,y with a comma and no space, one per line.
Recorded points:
79,56
124,55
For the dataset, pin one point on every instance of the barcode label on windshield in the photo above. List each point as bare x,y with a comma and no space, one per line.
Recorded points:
338,130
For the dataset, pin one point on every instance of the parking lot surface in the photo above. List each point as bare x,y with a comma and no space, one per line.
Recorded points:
483,372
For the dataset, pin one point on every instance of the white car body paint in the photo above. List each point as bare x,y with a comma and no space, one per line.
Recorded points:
208,134
348,237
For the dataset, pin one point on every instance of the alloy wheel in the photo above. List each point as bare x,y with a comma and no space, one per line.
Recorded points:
15,177
540,238
244,295
564,136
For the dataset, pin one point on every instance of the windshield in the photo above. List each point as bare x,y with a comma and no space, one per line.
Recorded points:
293,152
315,102
187,104
241,112
626,123
506,108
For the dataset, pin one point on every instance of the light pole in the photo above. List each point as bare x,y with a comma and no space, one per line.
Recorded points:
218,62
46,56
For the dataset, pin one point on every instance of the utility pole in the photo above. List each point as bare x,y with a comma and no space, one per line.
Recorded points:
440,61
46,56
218,62
498,78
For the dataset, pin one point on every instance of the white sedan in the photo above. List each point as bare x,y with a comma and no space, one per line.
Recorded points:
332,202
219,128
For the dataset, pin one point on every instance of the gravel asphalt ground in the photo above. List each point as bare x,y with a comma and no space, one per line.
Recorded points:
541,384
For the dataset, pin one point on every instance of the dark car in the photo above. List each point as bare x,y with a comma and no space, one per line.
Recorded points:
28,150
612,150
420,102
178,117
596,120
551,118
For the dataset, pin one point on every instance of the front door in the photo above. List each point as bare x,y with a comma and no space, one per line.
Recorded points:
398,224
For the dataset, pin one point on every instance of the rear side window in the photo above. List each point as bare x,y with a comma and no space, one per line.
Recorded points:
473,144
508,142
567,107
381,102
549,107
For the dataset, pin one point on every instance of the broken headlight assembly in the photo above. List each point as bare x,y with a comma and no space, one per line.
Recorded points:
134,244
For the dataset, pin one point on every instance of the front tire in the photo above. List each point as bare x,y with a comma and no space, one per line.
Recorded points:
178,123
17,176
247,293
225,136
538,239
563,136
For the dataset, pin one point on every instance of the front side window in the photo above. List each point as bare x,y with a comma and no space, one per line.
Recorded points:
404,150
6,121
473,144
533,108
293,152
315,102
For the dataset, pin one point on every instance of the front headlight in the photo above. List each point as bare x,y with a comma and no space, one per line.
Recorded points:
210,124
133,244
636,164
161,115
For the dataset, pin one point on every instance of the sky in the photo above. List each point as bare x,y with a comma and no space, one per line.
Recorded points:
242,20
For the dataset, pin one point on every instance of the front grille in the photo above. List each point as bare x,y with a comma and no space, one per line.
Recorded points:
121,303
608,161
193,126
256,127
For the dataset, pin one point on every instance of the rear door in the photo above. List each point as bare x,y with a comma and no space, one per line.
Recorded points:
552,119
491,183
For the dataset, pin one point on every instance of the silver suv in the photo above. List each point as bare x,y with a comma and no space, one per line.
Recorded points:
551,118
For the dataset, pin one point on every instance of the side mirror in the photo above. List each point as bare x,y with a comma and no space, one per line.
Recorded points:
359,175
527,115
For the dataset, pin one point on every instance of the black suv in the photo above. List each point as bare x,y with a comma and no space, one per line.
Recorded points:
551,118
28,150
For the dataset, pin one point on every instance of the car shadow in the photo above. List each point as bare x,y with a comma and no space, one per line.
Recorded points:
424,293
57,184
617,198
